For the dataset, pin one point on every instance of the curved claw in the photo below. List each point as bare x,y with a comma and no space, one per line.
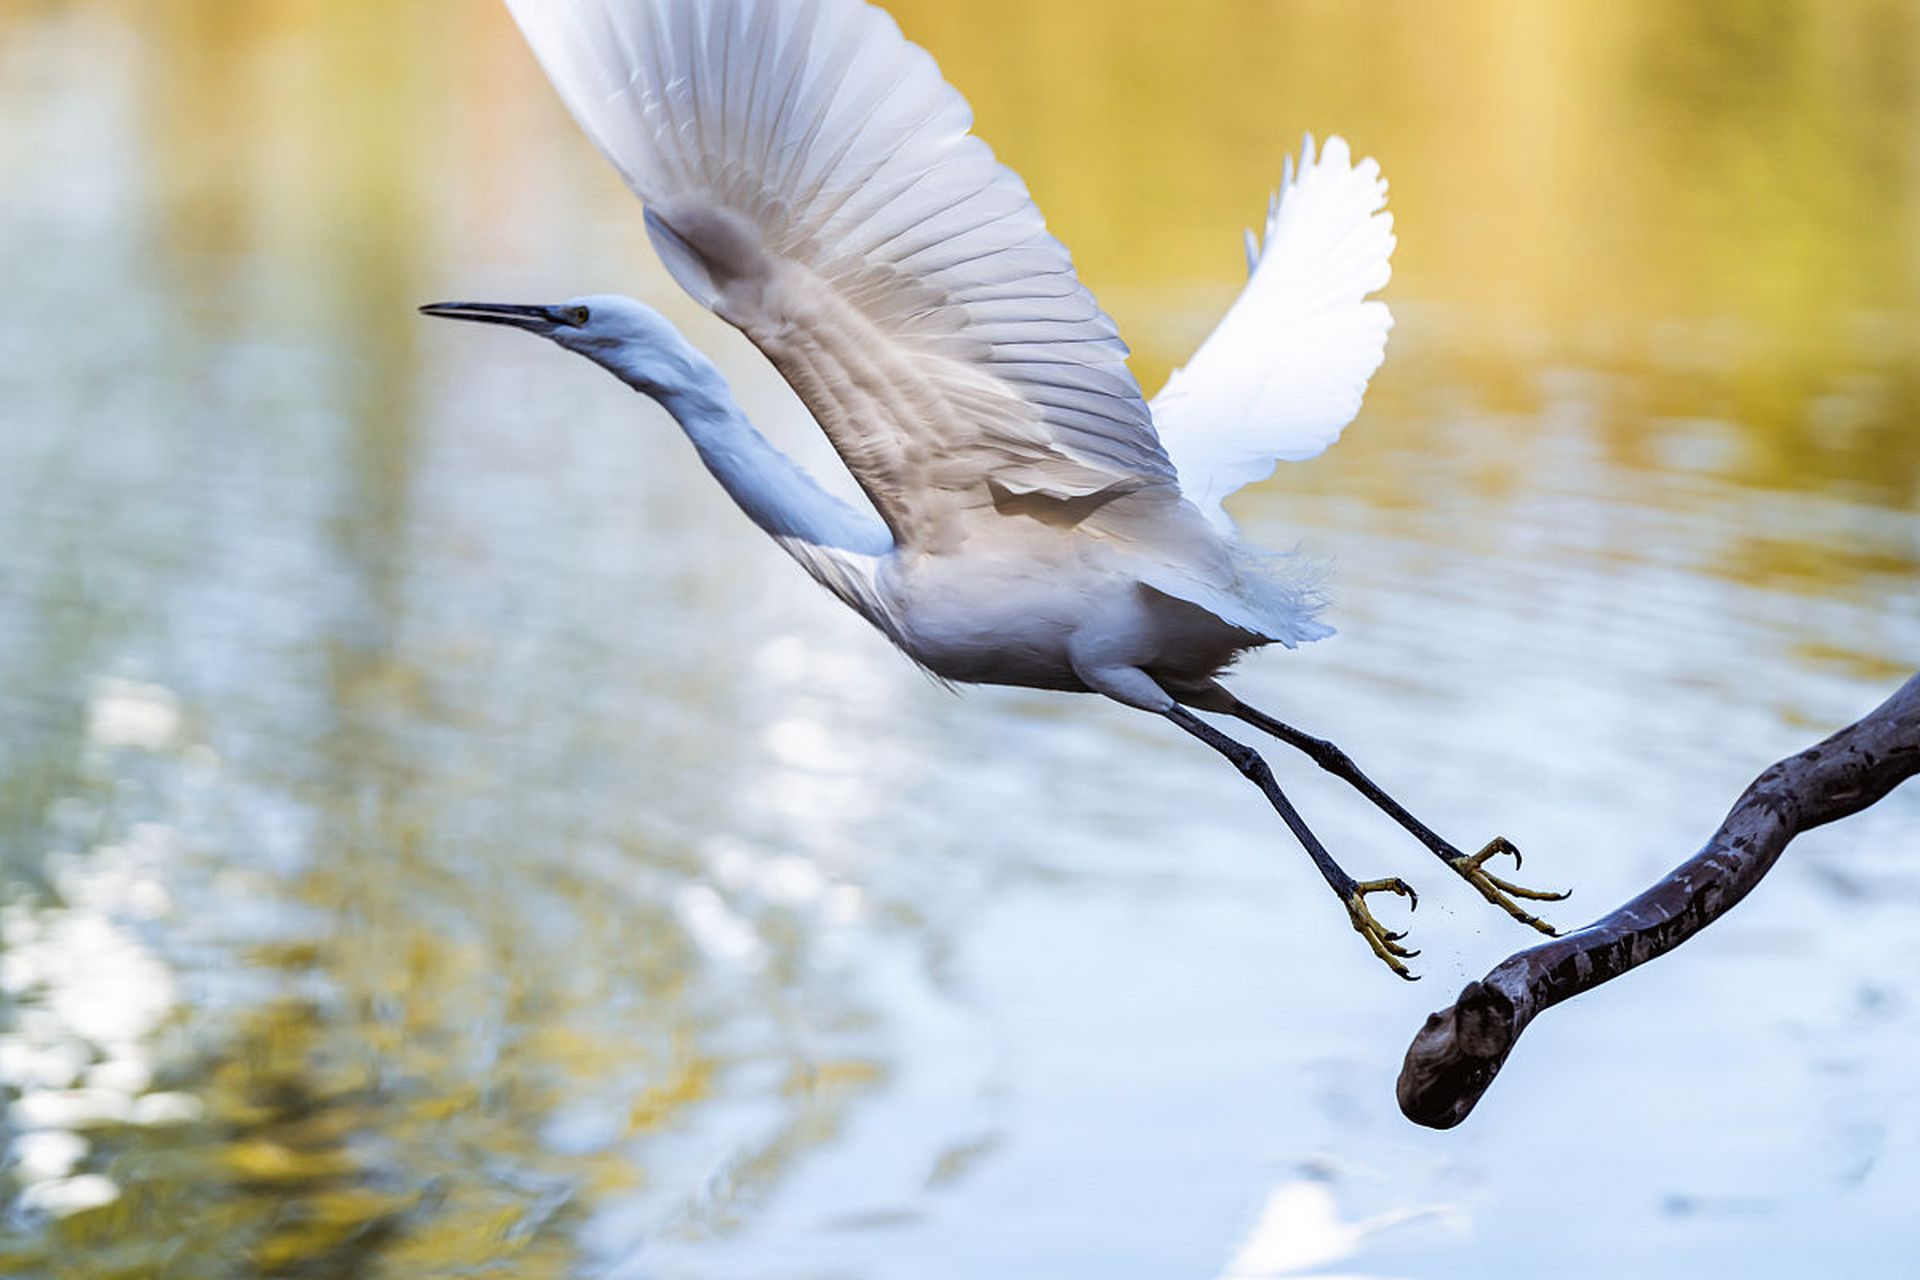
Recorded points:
1384,941
1501,893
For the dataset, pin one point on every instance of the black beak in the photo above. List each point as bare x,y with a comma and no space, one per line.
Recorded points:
538,319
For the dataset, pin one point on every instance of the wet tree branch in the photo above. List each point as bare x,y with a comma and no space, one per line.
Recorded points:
1458,1052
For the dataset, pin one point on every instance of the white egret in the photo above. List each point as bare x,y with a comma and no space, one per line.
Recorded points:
809,176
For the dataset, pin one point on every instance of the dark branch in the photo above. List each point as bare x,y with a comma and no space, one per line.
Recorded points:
1460,1049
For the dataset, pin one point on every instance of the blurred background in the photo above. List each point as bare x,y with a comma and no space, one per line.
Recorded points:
440,837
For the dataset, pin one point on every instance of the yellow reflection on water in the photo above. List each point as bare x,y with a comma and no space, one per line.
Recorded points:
1562,165
1726,197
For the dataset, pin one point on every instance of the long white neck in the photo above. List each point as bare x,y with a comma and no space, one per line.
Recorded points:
771,488
839,545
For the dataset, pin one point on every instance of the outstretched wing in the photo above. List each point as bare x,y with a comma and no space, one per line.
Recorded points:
1285,369
810,177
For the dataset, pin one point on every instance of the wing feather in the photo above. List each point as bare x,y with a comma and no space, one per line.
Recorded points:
810,176
1285,370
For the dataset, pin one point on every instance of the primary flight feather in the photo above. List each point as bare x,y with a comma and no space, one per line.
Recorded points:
808,175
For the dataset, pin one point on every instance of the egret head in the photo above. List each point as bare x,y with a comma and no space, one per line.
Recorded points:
628,338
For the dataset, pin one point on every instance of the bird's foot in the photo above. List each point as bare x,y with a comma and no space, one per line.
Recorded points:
1501,893
1384,941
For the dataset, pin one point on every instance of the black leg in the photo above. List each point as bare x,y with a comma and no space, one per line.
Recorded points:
1385,942
1470,867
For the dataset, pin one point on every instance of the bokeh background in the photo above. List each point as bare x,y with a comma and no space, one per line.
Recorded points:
440,837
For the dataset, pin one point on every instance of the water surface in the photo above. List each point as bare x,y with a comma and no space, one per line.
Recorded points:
439,837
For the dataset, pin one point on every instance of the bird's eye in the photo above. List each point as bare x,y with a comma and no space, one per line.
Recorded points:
578,316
